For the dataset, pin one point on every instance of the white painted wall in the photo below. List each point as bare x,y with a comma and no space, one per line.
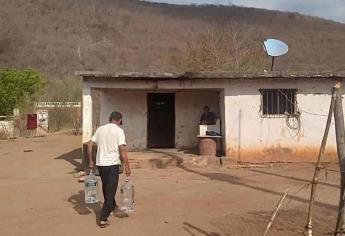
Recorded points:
250,137
6,129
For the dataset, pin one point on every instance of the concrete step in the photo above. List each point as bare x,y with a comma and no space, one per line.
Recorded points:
170,158
154,162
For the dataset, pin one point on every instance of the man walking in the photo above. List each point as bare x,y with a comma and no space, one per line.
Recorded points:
111,150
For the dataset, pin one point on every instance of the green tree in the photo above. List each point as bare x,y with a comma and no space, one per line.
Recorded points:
19,89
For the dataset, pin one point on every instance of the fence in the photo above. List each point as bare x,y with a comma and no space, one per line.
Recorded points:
6,129
48,117
63,115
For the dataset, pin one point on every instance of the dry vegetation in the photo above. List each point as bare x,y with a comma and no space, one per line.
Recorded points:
222,49
60,37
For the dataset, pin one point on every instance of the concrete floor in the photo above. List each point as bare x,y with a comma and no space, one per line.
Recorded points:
39,196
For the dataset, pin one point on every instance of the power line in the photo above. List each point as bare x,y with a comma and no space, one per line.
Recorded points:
298,108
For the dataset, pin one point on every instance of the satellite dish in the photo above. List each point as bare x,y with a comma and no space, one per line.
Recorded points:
275,48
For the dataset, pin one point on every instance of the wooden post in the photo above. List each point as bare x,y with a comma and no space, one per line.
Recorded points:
340,137
276,211
309,227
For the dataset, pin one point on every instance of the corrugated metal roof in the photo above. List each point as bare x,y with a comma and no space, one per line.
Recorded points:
211,75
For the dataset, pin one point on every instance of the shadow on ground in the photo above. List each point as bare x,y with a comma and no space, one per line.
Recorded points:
289,222
234,180
238,181
194,230
74,157
291,177
81,207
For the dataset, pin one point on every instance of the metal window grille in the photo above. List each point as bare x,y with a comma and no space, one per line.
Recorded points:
278,102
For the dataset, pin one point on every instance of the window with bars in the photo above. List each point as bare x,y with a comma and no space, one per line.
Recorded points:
278,102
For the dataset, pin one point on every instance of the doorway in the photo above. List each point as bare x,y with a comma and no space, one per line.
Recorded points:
161,120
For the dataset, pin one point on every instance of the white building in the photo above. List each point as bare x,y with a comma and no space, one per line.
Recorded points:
275,116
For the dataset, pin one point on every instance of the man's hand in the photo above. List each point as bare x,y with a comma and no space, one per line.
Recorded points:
91,164
127,170
124,159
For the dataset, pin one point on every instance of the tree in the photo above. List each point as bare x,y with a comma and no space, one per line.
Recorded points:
19,89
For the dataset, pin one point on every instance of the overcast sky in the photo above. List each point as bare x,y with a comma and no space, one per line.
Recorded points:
329,9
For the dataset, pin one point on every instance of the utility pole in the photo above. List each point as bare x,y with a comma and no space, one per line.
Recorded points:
340,137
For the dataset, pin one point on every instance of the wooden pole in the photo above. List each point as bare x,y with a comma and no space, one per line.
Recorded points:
340,137
309,227
276,211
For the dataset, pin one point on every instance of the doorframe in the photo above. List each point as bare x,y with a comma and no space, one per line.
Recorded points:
148,115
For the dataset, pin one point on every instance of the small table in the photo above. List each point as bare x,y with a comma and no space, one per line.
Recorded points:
207,145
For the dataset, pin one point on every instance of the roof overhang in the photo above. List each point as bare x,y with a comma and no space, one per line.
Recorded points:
211,75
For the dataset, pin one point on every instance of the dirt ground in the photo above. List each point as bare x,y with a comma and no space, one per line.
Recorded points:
39,196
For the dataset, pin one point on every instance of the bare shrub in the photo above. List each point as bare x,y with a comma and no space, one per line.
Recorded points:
63,90
222,49
62,118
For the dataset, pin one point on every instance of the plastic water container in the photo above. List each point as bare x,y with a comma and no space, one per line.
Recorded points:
91,189
127,196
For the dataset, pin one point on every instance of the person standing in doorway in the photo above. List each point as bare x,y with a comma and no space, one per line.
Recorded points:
111,151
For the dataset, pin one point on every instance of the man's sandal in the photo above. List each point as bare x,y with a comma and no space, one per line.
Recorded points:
103,224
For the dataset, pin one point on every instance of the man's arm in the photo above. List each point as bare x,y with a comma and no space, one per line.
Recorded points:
89,154
90,144
124,159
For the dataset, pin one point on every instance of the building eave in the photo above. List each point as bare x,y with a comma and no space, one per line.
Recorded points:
211,75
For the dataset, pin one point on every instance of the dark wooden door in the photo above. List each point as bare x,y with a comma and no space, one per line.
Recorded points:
161,120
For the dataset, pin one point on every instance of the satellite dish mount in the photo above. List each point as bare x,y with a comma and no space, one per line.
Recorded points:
272,63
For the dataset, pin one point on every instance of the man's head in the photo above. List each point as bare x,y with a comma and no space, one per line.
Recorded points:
115,118
206,109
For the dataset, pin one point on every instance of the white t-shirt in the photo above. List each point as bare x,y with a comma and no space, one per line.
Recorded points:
108,139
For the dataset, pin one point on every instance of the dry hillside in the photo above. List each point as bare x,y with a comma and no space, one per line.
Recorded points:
60,37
